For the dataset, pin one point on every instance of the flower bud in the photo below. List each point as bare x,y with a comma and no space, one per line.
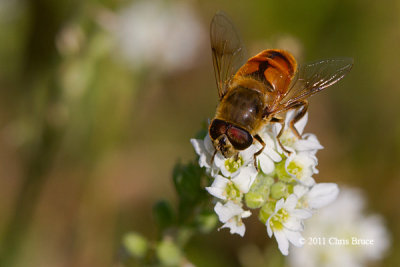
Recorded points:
266,211
259,192
281,172
168,253
207,221
135,244
279,190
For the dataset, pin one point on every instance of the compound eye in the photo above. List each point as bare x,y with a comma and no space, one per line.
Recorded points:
239,138
217,128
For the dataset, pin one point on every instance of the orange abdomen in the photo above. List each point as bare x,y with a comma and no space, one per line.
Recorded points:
275,68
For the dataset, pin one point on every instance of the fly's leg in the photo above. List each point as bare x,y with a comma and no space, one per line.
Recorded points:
304,107
259,139
282,122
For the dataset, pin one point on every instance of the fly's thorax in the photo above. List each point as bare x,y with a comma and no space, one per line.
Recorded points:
243,107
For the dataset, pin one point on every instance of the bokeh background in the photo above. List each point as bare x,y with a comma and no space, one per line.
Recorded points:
98,101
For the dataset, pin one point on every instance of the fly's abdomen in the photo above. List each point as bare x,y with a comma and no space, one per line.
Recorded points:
274,68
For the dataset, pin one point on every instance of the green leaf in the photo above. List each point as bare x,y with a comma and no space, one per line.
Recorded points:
163,214
189,181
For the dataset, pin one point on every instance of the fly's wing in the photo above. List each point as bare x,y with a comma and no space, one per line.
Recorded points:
314,77
228,51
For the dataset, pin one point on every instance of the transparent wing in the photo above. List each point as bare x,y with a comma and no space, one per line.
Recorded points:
314,77
228,51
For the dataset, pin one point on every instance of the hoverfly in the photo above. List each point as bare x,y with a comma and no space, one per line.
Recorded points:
260,90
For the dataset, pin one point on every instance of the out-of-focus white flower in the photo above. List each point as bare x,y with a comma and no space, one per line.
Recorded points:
342,235
231,214
159,34
286,223
317,196
70,39
10,8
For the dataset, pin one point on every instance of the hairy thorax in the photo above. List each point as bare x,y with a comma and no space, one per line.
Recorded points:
243,107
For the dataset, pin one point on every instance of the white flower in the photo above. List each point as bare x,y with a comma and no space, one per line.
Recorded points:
240,169
308,142
339,228
286,223
301,166
160,34
232,189
245,178
231,215
317,196
231,167
205,150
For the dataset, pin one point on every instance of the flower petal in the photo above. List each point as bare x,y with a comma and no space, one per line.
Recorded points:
301,124
307,181
248,154
301,213
294,224
245,178
227,211
200,149
322,194
300,190
279,204
224,213
216,192
283,243
308,143
269,230
235,228
290,202
294,237
209,145
266,164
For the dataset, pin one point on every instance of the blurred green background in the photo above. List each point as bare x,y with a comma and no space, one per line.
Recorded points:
98,101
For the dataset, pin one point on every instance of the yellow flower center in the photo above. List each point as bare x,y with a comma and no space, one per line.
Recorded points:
233,165
232,192
295,169
278,219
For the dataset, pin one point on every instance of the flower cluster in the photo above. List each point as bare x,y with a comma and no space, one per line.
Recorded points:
281,187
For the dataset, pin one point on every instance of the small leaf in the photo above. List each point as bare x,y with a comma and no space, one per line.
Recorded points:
163,214
187,180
